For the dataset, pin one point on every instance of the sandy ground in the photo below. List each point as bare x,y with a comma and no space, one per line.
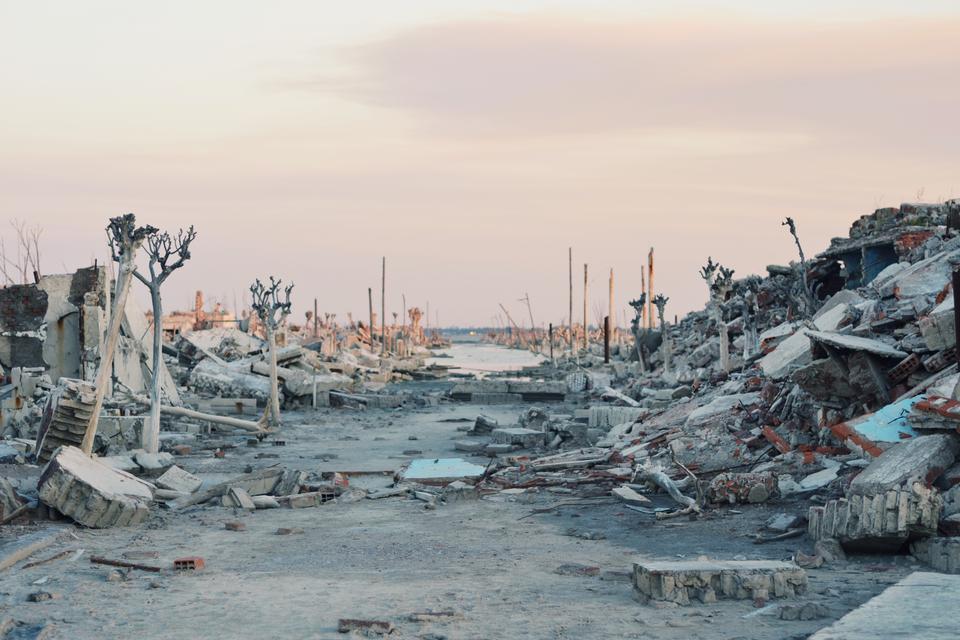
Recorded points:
489,561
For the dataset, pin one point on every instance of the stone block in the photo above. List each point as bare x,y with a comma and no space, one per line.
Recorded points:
91,493
525,438
683,582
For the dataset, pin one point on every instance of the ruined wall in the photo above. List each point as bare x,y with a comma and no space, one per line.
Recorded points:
41,324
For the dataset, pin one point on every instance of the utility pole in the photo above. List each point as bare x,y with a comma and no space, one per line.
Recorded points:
585,336
316,332
643,287
383,307
514,324
606,339
370,301
533,327
650,316
610,312
570,256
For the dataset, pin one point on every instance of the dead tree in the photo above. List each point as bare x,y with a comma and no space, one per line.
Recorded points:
167,254
751,312
639,305
23,268
125,239
811,304
271,307
719,281
660,301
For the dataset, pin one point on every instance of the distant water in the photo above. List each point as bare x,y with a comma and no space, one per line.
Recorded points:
485,358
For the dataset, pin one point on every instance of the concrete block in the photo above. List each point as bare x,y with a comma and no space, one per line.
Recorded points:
683,582
92,493
525,438
922,459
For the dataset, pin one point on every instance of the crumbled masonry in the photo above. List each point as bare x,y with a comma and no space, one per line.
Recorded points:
803,420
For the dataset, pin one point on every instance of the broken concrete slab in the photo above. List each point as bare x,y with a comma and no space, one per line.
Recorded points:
922,458
629,496
441,470
176,479
239,498
719,406
855,343
684,581
931,599
795,350
92,493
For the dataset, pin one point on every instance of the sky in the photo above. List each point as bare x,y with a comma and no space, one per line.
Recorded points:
471,143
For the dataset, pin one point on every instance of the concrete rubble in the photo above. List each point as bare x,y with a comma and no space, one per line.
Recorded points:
818,401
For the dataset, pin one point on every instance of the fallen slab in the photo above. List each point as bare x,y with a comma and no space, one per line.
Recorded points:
524,438
684,581
92,493
940,554
931,599
441,470
922,458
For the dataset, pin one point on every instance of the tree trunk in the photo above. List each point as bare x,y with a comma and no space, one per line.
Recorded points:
274,378
124,279
150,438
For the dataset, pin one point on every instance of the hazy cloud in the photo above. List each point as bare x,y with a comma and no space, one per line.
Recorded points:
893,79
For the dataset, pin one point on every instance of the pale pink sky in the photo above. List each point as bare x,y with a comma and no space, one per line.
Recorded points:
472,142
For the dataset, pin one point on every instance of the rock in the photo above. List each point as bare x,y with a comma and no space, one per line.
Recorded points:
234,526
918,459
265,502
830,550
734,488
629,496
288,531
805,611
820,479
576,569
365,627
782,522
92,493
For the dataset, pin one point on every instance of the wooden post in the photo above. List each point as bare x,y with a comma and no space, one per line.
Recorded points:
124,280
650,317
606,339
585,336
370,301
956,310
610,312
570,317
383,308
550,332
